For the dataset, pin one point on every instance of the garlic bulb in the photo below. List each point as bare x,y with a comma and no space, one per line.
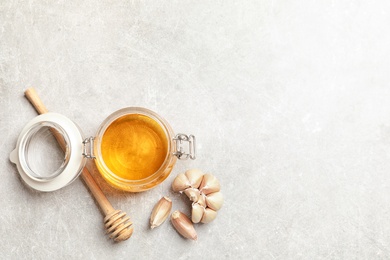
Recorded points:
197,213
202,200
180,183
209,184
214,200
195,177
204,192
192,194
202,214
208,215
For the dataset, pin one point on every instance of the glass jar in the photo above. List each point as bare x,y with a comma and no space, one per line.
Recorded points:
134,149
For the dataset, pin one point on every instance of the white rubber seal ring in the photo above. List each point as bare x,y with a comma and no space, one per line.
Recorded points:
76,161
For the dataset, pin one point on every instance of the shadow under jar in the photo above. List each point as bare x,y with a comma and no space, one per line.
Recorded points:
134,149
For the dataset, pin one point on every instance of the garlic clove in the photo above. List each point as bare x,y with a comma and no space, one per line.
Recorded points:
183,225
180,183
209,184
160,212
202,200
214,200
197,213
195,177
192,194
208,215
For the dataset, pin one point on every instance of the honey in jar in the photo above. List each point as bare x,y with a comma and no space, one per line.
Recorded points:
134,146
135,149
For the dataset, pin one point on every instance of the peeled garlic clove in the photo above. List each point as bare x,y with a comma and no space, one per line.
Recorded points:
202,200
192,194
208,215
197,213
214,200
195,177
183,225
160,212
180,183
209,184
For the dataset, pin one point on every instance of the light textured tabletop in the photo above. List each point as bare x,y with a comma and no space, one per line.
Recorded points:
288,100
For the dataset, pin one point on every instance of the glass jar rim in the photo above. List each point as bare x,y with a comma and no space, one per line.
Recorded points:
24,150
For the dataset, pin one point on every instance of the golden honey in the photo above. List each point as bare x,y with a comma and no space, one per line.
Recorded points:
134,149
134,146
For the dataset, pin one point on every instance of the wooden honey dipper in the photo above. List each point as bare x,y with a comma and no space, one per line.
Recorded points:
116,222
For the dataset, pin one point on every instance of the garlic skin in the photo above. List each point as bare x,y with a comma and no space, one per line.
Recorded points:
180,183
214,200
195,177
202,200
183,225
208,215
192,194
160,212
209,184
197,212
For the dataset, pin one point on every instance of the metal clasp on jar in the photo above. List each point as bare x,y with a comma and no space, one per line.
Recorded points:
180,151
88,142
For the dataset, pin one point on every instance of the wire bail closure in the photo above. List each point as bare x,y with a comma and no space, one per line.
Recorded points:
180,152
88,154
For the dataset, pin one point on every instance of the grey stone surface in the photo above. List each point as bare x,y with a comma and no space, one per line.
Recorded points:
289,101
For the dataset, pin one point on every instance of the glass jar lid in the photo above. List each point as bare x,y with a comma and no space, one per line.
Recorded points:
49,152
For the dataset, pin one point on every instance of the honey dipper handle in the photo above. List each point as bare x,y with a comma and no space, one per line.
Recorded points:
37,103
34,99
103,202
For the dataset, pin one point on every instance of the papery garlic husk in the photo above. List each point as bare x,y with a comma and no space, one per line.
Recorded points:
202,200
214,200
183,225
160,212
192,194
180,183
195,177
197,212
209,184
208,215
